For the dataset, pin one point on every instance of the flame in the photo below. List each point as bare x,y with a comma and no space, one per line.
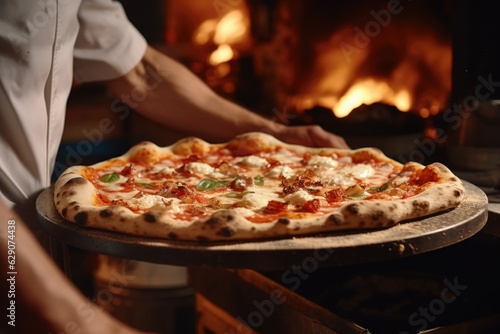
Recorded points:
227,33
413,75
231,29
205,32
370,91
223,54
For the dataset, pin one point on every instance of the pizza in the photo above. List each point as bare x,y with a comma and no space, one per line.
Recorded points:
252,187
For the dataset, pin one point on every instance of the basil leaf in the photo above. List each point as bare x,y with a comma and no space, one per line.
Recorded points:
208,184
111,177
258,180
144,185
357,196
384,187
235,195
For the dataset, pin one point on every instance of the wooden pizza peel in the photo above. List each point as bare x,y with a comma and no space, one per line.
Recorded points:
323,250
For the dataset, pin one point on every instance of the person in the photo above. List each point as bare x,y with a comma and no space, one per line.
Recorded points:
44,46
44,299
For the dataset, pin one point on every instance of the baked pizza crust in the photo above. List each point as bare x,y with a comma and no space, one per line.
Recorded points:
75,198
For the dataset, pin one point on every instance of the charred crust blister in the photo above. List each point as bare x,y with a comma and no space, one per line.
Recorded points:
457,193
150,217
335,219
377,215
76,180
420,206
212,222
353,208
219,219
106,213
173,236
81,218
226,232
284,221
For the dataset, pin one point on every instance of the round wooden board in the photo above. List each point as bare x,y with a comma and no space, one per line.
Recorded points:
333,249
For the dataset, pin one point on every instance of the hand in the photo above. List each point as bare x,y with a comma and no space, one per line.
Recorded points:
309,135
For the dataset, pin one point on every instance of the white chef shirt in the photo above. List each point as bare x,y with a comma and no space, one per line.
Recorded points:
44,44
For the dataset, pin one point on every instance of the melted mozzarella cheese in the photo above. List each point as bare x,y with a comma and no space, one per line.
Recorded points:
172,205
340,180
278,171
299,197
286,158
361,171
199,168
147,202
253,161
162,169
244,212
143,203
402,178
322,162
346,176
347,159
256,201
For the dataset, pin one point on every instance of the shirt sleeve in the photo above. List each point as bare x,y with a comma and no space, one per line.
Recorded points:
108,45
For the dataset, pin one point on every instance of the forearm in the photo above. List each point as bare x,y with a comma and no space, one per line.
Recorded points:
46,301
170,94
35,274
